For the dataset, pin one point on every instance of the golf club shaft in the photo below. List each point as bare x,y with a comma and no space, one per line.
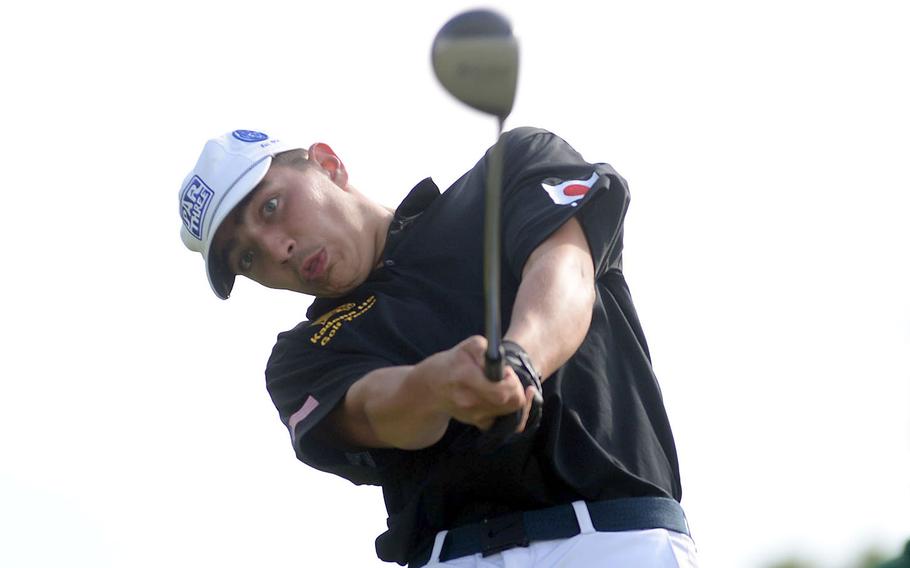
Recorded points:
491,260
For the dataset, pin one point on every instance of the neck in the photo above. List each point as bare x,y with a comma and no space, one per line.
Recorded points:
379,218
376,220
384,219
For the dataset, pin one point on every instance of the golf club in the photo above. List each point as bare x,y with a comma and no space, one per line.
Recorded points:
475,57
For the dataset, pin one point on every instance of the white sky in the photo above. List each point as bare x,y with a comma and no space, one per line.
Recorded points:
766,146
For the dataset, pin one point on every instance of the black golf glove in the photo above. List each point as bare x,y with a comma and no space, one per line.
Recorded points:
503,429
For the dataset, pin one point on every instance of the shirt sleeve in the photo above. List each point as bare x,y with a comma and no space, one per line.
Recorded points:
305,385
545,183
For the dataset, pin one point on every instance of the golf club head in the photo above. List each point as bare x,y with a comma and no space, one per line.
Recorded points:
475,57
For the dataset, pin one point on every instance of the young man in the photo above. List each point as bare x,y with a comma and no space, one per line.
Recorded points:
384,384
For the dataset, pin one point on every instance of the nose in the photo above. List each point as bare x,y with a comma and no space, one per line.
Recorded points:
280,248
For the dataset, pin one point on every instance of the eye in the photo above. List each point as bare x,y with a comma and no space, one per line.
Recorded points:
270,206
246,261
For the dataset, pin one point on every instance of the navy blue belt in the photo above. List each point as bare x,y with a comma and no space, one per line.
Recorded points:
521,528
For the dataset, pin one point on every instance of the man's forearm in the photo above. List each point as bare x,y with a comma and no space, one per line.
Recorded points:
409,407
553,308
392,407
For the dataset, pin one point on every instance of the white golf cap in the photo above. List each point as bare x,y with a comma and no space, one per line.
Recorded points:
228,169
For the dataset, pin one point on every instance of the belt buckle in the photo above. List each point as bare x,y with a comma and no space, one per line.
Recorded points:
502,533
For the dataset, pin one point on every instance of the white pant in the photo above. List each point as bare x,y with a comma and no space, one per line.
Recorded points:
658,548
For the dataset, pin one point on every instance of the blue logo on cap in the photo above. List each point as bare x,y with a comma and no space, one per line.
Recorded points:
194,201
249,136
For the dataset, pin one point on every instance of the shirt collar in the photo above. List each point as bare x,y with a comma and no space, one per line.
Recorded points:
421,196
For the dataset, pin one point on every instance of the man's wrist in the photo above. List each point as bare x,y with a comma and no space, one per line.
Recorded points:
520,361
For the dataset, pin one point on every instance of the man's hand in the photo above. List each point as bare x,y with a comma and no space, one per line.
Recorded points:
506,428
410,407
467,395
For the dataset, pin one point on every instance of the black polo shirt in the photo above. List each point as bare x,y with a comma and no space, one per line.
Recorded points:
604,432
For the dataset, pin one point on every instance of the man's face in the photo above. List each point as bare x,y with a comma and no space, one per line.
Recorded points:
299,231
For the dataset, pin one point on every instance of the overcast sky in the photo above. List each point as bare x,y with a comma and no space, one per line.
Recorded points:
767,150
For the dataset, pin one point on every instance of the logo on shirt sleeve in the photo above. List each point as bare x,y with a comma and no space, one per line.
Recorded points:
570,191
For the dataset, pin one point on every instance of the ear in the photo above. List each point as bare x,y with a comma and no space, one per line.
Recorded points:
326,158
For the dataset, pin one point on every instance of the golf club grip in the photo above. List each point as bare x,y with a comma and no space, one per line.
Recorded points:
493,364
504,426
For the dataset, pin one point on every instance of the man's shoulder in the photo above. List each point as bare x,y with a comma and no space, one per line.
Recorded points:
289,342
524,133
321,311
539,146
300,337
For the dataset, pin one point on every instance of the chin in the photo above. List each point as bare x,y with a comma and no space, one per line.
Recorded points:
338,291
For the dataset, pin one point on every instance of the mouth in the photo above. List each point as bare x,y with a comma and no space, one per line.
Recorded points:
314,266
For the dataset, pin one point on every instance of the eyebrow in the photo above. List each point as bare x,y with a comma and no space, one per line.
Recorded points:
240,208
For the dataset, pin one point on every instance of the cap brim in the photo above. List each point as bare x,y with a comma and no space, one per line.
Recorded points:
221,277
